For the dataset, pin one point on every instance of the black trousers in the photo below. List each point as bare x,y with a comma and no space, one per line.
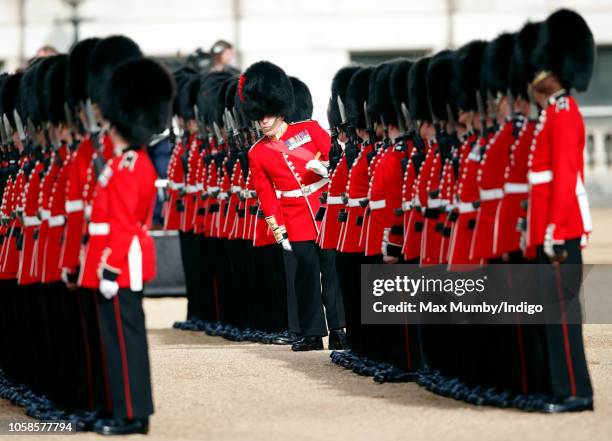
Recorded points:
303,267
126,355
565,366
268,288
190,246
348,266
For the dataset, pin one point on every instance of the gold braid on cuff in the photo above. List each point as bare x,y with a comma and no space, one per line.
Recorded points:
279,231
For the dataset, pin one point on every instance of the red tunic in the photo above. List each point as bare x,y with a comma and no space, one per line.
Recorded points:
121,215
506,235
280,165
357,186
491,190
385,196
57,219
556,175
330,225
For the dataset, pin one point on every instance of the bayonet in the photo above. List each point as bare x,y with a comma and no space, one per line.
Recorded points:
19,125
220,140
407,117
511,103
342,110
368,122
481,113
3,135
93,127
451,119
94,130
7,127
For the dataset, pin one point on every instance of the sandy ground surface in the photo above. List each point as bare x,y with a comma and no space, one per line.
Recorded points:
207,388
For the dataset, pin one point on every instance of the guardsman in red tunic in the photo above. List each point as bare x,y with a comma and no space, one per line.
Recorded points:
558,218
414,199
290,172
512,209
439,83
467,66
497,153
120,255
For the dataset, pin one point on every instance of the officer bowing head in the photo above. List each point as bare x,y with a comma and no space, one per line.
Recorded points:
267,96
563,59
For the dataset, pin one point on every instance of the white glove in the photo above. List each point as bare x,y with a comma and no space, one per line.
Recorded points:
317,166
286,245
108,289
65,275
549,242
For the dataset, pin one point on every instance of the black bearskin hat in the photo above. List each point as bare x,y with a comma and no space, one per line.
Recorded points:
302,106
10,90
340,83
399,85
207,95
220,99
380,104
356,95
54,93
439,80
105,57
181,76
417,91
27,101
466,66
138,100
522,69
76,74
495,72
566,48
42,94
187,95
265,90
230,94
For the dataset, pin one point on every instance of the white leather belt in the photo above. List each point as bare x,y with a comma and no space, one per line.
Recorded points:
515,187
541,177
98,229
161,183
213,189
44,214
191,189
377,205
354,202
334,200
435,203
222,195
73,206
406,205
466,207
31,221
56,221
200,186
304,191
236,189
491,194
175,185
